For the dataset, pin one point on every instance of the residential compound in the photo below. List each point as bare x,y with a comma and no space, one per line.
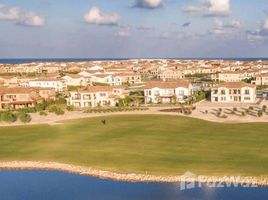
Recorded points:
161,80
96,96
237,92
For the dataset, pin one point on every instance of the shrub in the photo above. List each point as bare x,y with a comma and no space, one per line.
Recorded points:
56,110
24,117
59,111
8,117
42,113
40,107
264,107
53,109
260,113
70,108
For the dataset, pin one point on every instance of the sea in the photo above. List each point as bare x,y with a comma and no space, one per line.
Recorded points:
30,60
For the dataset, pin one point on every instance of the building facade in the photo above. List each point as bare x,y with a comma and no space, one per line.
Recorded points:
96,96
236,92
58,84
167,92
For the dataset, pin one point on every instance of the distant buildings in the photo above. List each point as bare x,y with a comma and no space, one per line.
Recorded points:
237,92
138,74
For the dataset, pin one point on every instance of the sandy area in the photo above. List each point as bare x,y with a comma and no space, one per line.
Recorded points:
31,165
199,113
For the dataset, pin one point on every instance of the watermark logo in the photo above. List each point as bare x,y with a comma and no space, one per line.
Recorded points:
190,180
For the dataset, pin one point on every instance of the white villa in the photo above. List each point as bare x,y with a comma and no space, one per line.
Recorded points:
261,79
94,96
58,84
76,80
167,92
239,92
112,80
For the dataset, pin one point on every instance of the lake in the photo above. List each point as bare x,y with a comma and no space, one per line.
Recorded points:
53,185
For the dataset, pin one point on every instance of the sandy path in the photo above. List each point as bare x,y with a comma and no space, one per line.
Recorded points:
53,119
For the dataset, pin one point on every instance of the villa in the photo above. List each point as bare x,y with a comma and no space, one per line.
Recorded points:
167,92
111,80
228,76
261,79
58,84
19,97
94,96
237,92
76,80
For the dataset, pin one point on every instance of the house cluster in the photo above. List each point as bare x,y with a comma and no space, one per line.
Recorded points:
104,83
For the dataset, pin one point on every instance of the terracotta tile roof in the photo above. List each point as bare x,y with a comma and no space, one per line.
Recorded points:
46,79
166,85
234,85
100,88
73,75
15,90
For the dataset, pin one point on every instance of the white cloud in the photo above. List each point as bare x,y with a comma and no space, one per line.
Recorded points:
260,34
265,24
220,26
145,28
96,16
124,33
211,8
11,14
148,4
31,19
165,35
27,19
2,5
234,24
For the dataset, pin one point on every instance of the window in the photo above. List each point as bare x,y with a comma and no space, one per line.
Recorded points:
102,94
156,93
247,92
223,92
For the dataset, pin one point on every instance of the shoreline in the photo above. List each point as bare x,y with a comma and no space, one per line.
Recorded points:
131,177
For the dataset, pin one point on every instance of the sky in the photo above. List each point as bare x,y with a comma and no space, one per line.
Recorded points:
133,28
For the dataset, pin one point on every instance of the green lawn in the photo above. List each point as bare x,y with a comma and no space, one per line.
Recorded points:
160,145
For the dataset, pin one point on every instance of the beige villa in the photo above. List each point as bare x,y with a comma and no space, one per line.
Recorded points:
237,92
19,97
94,96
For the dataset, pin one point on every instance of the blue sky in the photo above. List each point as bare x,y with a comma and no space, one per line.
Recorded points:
133,28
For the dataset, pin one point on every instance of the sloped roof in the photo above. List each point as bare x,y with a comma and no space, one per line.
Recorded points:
166,85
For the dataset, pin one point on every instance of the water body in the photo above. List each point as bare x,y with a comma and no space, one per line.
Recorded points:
30,60
52,185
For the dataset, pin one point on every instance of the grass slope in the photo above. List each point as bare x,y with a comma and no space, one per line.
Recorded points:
160,145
